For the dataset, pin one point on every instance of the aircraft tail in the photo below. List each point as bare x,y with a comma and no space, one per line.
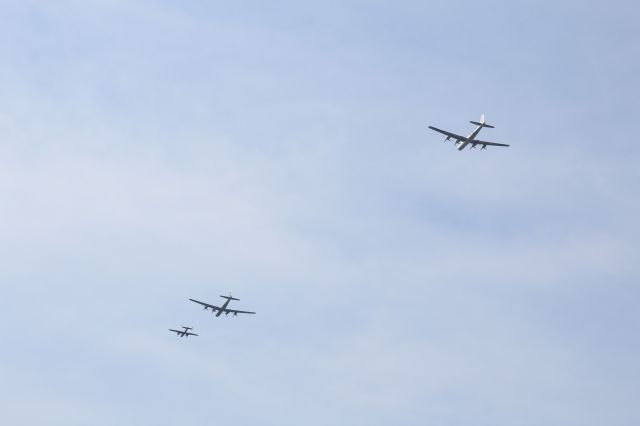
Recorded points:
482,123
229,297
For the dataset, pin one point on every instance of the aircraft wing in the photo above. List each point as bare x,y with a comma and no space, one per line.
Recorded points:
175,331
478,142
448,134
191,334
234,312
206,305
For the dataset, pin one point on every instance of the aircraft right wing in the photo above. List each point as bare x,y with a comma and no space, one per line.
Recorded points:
234,312
448,134
479,142
175,331
206,305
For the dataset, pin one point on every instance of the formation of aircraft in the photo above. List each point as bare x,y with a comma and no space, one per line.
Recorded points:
219,310
461,141
185,332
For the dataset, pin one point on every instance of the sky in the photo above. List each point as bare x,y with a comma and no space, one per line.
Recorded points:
153,151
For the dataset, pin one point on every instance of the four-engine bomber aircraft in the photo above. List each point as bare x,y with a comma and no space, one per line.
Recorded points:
184,333
462,142
222,309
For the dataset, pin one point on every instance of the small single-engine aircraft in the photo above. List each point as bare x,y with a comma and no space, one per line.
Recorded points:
222,309
462,142
184,333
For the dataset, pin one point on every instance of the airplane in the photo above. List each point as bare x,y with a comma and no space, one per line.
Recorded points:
222,309
184,333
462,142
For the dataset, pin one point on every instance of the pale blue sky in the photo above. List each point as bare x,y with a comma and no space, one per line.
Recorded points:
153,151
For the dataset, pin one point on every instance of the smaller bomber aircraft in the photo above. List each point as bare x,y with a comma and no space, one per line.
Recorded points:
184,333
219,310
461,141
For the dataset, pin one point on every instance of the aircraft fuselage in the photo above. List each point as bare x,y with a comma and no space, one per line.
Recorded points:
471,137
222,308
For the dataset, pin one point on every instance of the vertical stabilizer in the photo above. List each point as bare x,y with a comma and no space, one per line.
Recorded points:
481,123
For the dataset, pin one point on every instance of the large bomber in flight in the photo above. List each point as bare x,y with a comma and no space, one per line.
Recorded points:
183,333
222,309
462,142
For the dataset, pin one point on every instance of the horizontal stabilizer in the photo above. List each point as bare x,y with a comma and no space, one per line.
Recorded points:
482,124
228,297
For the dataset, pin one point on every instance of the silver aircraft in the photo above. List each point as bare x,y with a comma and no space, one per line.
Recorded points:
184,333
462,142
219,310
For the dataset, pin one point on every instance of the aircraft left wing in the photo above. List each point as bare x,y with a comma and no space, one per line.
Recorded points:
448,134
206,305
478,142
